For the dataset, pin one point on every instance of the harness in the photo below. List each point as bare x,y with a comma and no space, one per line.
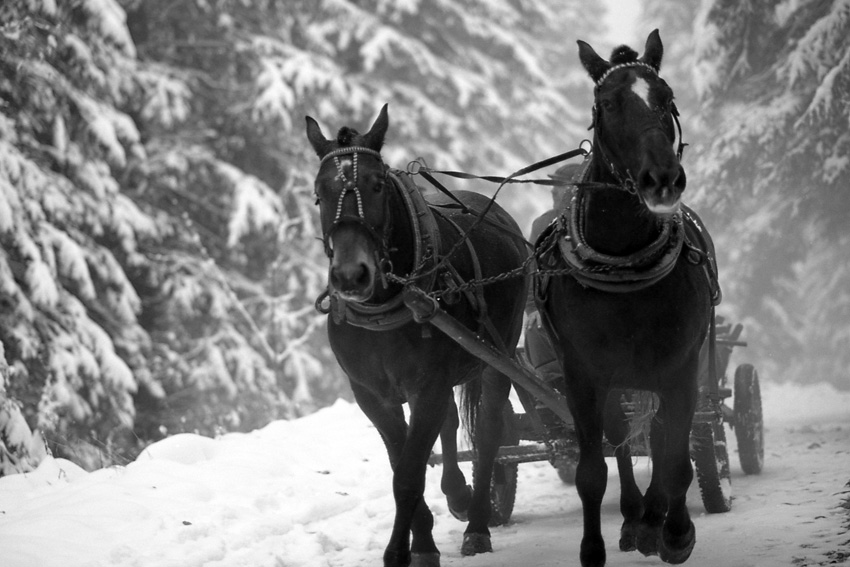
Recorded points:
616,273
350,185
429,269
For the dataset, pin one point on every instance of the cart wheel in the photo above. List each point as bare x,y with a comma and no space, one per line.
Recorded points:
712,464
504,482
749,425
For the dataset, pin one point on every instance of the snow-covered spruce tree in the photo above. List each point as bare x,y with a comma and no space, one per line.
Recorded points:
481,85
68,323
486,86
121,322
230,305
21,450
776,78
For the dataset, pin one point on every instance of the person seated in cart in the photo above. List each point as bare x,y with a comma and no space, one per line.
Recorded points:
538,347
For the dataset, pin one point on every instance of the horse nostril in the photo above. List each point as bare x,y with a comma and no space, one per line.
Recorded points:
646,180
681,180
363,278
351,277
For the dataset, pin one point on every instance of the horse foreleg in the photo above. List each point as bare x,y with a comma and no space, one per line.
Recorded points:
495,388
388,419
678,534
631,499
592,472
453,483
428,411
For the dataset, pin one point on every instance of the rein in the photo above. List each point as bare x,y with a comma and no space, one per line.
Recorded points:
418,166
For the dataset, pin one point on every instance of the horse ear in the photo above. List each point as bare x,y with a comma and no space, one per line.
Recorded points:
654,51
314,133
593,63
374,138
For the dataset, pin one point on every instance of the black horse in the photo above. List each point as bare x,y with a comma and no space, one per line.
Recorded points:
379,235
635,310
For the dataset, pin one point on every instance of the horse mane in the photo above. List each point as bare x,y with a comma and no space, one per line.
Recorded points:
623,54
346,136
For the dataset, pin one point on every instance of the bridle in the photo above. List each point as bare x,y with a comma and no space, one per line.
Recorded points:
627,182
351,186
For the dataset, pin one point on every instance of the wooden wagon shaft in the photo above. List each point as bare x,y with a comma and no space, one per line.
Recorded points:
426,309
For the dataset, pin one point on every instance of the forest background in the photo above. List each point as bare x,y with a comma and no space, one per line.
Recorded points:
159,253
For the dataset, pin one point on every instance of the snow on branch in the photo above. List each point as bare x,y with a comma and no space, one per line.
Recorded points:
255,204
168,99
111,22
817,51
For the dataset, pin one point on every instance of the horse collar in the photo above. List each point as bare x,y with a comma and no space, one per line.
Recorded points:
628,273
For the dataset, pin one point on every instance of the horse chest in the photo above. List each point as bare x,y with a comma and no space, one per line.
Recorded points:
622,336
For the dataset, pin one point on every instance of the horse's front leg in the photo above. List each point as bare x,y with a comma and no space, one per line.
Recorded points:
428,410
592,472
495,389
453,483
678,534
388,419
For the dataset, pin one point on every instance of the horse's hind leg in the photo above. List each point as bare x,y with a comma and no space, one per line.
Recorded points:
453,483
631,499
654,501
495,388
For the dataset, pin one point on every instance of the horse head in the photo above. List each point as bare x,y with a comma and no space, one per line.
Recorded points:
634,122
352,193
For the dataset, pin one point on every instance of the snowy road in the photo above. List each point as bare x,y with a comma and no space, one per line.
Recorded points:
786,516
314,492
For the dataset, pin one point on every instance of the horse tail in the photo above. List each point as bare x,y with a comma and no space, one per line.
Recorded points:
644,405
470,401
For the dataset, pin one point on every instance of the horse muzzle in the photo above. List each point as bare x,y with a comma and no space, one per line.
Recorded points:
354,281
661,188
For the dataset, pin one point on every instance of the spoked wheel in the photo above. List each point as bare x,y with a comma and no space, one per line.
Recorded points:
749,424
504,482
712,464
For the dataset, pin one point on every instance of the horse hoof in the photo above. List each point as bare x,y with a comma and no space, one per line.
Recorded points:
475,543
678,549
592,552
459,507
628,537
425,559
646,539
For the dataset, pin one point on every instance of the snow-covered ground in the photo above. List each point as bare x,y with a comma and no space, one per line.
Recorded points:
315,492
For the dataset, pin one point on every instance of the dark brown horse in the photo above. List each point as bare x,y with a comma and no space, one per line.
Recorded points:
635,311
380,234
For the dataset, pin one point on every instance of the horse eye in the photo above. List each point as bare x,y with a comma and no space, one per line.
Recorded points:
606,105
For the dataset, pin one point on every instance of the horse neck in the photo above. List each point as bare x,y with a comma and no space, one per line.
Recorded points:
616,222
